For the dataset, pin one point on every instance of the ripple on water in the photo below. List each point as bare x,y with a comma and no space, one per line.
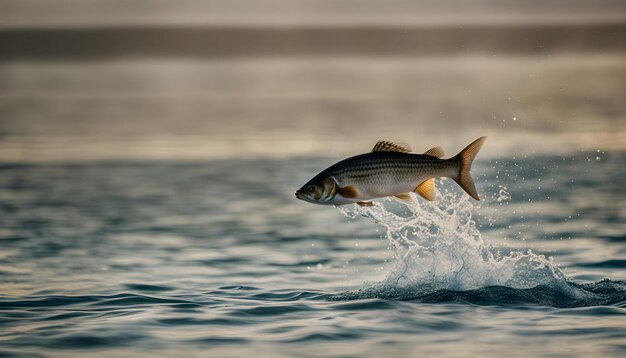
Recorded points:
272,310
617,264
84,341
147,288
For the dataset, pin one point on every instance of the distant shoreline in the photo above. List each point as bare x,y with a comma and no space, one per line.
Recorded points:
215,42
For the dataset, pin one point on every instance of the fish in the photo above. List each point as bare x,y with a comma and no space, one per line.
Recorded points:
390,170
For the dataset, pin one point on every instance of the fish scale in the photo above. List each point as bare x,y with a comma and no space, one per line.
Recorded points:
375,172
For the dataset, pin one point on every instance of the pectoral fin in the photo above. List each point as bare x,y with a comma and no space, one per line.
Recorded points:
348,192
426,189
364,203
405,198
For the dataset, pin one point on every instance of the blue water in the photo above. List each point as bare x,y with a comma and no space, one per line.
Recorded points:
218,258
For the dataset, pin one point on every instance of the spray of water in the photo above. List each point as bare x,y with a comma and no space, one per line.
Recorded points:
438,247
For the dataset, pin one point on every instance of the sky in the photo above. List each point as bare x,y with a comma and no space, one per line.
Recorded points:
84,13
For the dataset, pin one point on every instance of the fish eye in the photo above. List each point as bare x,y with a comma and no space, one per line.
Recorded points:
311,189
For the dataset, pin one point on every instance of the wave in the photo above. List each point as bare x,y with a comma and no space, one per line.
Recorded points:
601,293
442,257
115,300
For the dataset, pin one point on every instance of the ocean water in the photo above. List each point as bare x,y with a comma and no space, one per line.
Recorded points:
147,208
218,258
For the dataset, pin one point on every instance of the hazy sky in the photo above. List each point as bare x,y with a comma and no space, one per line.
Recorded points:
25,13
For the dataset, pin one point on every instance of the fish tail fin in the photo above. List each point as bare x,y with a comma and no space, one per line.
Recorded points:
464,160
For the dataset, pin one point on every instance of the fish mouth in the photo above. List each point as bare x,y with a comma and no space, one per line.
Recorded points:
300,195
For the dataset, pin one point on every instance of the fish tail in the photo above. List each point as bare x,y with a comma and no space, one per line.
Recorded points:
464,160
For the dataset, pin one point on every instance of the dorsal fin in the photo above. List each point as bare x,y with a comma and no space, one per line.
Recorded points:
426,189
387,146
436,152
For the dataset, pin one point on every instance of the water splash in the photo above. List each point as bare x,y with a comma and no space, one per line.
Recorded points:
503,194
438,247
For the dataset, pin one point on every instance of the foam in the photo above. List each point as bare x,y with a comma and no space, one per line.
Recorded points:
438,247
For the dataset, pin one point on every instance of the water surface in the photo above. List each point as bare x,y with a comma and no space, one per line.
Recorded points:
218,258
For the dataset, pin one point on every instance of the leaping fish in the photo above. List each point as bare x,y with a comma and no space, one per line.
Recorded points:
390,170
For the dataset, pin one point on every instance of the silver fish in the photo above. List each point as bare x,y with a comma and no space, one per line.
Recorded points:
390,170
